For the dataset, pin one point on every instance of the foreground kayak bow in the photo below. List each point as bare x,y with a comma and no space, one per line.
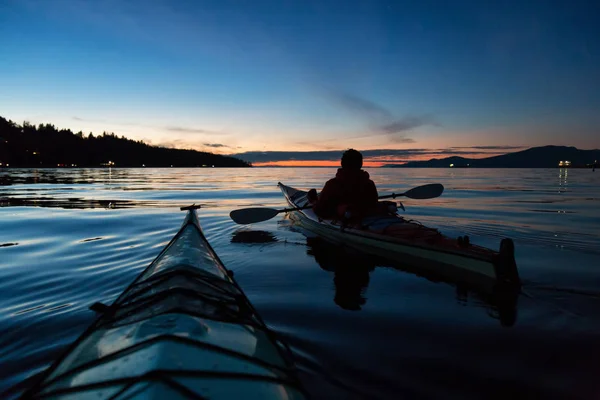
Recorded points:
182,329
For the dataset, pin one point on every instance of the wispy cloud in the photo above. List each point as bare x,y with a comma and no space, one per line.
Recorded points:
186,144
215,145
171,128
318,144
362,106
174,144
182,129
401,139
490,147
379,155
90,120
380,120
406,124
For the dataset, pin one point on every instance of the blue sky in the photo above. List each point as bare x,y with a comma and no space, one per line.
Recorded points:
306,75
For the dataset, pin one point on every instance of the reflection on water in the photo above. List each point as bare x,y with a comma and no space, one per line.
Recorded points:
72,237
563,179
351,271
351,279
69,203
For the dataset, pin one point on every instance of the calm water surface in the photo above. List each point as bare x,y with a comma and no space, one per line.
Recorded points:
359,327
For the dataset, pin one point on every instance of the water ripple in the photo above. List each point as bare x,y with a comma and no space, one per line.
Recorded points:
69,238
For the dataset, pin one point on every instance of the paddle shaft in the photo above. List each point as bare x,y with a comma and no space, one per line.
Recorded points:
387,196
391,196
252,215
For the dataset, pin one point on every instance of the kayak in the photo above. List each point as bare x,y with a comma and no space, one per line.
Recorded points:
182,329
398,239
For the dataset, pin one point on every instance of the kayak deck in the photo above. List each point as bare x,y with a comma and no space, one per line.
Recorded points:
406,241
182,329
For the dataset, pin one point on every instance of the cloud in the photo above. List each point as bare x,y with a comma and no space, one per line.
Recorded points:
215,145
181,129
380,120
379,155
90,120
327,155
318,143
361,105
267,156
490,147
406,124
185,144
174,129
402,139
174,144
451,152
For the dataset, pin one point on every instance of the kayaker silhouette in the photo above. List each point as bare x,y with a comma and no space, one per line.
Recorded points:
350,195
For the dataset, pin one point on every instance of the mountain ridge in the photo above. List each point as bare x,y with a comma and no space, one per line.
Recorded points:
548,156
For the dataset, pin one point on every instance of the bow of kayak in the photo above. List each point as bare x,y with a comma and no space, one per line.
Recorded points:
398,239
182,329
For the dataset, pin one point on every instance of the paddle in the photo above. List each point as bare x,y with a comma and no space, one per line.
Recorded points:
429,191
259,214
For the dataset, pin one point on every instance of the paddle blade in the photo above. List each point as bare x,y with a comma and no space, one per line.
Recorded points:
252,215
429,191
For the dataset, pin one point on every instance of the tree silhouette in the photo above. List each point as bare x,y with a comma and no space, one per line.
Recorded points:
47,146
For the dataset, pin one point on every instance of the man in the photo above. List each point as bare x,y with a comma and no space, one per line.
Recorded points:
350,195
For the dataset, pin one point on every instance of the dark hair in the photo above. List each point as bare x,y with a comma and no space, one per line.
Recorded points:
352,159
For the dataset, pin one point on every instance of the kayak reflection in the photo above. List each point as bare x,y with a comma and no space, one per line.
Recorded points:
352,268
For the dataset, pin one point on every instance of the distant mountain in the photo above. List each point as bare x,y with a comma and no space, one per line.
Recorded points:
46,146
535,157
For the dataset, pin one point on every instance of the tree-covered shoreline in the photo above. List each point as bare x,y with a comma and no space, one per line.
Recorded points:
45,146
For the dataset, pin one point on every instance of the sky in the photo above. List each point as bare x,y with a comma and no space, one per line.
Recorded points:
290,82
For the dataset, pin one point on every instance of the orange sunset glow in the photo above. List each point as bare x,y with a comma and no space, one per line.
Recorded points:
372,162
322,163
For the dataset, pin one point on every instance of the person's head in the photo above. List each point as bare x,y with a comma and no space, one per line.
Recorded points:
352,159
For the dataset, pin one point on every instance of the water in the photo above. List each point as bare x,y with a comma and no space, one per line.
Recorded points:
69,238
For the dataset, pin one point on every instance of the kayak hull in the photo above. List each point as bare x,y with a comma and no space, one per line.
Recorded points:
475,266
182,329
